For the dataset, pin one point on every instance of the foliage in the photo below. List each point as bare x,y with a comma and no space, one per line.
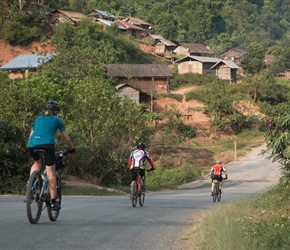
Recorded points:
174,129
177,97
220,106
259,223
190,79
164,177
277,136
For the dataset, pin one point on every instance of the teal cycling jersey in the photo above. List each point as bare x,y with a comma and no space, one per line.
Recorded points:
44,127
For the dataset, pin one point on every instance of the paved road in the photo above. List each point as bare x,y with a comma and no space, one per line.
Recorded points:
112,223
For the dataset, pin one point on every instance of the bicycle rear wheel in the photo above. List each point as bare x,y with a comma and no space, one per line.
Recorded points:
134,194
33,199
53,214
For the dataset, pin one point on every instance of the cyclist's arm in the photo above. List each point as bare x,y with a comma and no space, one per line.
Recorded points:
67,140
150,162
129,162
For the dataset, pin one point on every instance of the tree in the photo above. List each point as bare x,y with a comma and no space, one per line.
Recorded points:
253,62
278,135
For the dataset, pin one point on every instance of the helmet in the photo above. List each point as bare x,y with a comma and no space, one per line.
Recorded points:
51,105
218,162
140,145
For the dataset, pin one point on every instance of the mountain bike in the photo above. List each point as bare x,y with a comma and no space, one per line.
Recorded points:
137,193
37,192
217,194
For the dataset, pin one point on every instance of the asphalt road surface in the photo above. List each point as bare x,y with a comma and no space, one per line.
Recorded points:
112,222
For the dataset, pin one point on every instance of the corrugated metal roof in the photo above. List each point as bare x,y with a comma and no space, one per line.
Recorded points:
229,63
199,58
138,20
128,26
157,37
109,23
138,70
29,61
71,14
196,48
104,13
167,42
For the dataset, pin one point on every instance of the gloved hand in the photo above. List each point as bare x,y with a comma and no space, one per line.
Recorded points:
71,151
151,169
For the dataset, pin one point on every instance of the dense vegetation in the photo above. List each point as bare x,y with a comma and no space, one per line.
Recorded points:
103,128
259,223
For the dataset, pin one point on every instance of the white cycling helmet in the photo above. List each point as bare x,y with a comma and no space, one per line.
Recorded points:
218,162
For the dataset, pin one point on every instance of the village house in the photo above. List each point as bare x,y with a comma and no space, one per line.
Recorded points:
138,22
192,49
233,54
63,16
164,47
136,95
107,23
100,14
152,39
226,70
23,65
196,64
148,78
131,30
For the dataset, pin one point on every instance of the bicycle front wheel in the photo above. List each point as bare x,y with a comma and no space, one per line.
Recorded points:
134,195
141,199
33,199
53,214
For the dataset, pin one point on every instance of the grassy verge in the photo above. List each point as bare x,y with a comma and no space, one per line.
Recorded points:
260,223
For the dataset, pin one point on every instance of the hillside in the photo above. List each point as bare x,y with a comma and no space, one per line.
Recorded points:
8,52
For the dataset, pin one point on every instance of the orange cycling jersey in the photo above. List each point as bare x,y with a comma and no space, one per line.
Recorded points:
217,169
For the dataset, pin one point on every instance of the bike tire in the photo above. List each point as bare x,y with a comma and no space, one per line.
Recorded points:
141,198
53,214
215,192
134,194
33,199
219,195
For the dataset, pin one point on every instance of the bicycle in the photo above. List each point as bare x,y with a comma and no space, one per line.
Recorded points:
137,190
217,194
38,189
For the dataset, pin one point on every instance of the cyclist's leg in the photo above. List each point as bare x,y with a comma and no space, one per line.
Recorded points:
133,178
36,166
221,184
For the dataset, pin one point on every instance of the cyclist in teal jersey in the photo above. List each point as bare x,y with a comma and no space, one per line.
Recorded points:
42,137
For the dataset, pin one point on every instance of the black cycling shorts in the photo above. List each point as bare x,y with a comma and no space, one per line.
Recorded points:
134,173
217,177
49,158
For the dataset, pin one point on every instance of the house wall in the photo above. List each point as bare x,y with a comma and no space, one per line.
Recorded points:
18,74
181,51
190,67
159,48
225,73
232,54
132,93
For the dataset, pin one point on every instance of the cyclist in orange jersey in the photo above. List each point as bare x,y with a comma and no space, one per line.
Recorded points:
216,174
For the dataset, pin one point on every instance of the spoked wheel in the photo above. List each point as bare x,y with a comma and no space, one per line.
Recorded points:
141,199
33,199
134,194
219,195
53,214
215,192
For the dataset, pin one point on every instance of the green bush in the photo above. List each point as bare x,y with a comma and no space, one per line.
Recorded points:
18,34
